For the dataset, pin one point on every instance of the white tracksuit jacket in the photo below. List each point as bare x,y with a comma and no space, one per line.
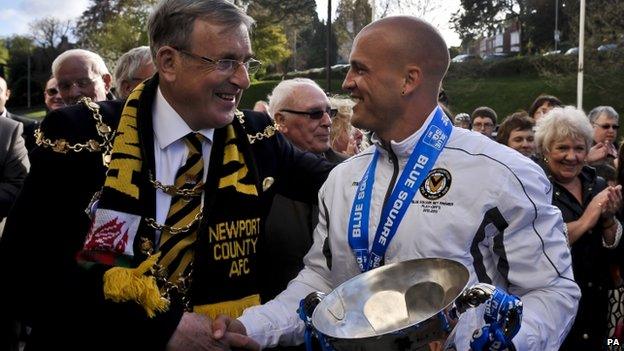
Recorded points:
483,204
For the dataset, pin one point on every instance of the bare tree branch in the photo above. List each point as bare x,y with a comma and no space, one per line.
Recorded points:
48,31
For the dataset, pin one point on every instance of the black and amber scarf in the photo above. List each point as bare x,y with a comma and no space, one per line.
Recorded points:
226,244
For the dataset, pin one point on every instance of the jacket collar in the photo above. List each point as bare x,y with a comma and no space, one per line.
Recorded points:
403,148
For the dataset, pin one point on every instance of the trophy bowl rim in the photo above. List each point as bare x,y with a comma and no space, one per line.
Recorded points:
452,264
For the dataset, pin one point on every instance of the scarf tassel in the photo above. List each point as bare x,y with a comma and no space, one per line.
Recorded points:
232,308
131,284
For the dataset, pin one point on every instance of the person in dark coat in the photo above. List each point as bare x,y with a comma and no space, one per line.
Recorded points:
13,169
29,125
303,115
139,243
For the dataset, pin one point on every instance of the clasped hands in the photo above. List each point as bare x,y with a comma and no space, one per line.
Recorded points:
600,151
199,332
608,201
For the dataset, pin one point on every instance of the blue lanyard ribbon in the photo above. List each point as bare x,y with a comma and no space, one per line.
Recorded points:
418,166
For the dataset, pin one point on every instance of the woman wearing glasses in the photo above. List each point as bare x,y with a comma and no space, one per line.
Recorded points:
604,119
52,95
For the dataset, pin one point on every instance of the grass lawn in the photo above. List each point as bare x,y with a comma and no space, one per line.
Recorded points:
36,114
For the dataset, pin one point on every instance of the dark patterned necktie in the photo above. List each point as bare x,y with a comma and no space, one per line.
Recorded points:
177,248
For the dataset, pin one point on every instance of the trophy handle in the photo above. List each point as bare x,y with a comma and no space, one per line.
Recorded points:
502,315
306,308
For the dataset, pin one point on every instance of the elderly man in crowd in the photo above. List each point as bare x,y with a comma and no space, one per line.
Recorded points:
605,121
28,125
303,115
133,67
165,222
79,73
506,233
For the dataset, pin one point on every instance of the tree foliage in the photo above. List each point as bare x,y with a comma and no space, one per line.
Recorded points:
481,18
267,12
112,27
351,17
604,22
313,46
270,45
419,8
49,31
278,24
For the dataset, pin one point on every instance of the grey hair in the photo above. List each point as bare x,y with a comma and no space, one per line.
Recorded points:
597,111
560,123
130,62
97,63
284,90
171,22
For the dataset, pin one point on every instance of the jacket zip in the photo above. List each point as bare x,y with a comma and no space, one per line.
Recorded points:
395,172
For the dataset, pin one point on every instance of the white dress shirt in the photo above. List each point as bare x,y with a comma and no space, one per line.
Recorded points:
170,150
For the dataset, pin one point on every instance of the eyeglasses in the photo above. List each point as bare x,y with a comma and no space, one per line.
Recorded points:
51,91
81,83
482,125
227,65
608,126
318,114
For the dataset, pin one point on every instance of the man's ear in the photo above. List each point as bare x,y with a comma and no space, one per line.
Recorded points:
280,121
108,81
8,94
166,62
124,88
413,79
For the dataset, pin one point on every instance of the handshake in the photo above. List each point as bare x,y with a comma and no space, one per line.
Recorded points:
198,332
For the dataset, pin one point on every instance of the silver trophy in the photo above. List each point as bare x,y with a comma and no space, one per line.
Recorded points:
411,305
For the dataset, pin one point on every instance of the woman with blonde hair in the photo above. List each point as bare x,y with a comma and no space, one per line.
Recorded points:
588,206
344,138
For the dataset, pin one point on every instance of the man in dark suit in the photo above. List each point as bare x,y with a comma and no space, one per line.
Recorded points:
303,115
13,169
13,164
174,208
29,125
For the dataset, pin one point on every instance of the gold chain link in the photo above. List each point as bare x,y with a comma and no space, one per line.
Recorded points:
268,132
182,284
175,230
173,190
103,130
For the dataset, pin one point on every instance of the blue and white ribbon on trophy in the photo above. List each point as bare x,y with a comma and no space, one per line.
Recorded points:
502,315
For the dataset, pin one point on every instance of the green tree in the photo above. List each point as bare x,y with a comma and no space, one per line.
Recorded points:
313,45
271,46
290,17
480,18
604,22
351,17
112,27
20,48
